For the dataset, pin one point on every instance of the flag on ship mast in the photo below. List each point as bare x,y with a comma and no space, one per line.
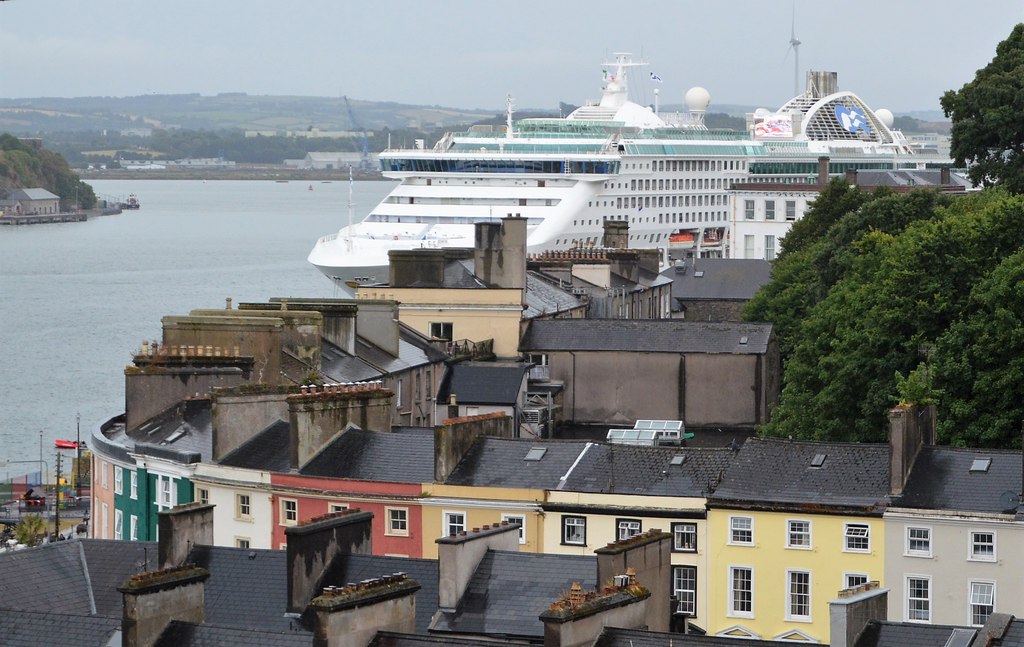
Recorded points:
655,78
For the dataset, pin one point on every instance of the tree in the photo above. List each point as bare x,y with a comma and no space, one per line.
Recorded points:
30,529
986,113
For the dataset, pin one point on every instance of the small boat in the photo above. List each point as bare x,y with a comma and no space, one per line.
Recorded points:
68,444
310,187
131,203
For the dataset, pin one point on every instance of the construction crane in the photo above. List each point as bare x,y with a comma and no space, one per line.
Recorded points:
365,164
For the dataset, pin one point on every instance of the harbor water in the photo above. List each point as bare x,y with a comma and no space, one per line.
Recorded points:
76,299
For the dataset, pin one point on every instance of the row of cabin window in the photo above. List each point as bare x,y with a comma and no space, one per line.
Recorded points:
856,536
769,209
981,544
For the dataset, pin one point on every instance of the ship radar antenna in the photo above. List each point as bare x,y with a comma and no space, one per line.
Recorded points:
794,44
509,109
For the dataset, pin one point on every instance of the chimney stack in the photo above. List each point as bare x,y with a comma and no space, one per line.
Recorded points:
353,614
459,555
181,529
910,427
616,234
454,437
314,546
649,556
823,171
154,599
577,619
499,257
853,609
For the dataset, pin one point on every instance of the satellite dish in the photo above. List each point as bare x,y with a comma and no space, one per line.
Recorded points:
1008,501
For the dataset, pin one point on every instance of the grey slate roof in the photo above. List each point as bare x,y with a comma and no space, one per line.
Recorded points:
371,363
391,639
904,634
178,432
405,456
772,471
26,628
941,480
509,590
645,335
615,637
498,462
496,383
264,451
729,279
541,297
32,194
208,635
243,592
627,469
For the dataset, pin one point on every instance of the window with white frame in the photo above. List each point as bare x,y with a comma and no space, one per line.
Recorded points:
574,530
165,492
118,524
133,484
798,534
106,521
684,537
337,507
397,521
857,537
850,580
790,209
983,545
798,604
769,248
919,598
741,591
243,507
289,512
521,520
769,209
453,522
741,531
133,530
983,601
441,330
748,209
748,246
103,474
242,542
627,528
202,495
684,588
118,479
919,542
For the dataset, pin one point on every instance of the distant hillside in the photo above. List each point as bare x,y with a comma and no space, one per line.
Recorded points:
27,165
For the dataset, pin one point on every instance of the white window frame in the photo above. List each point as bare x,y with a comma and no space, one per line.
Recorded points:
791,596
166,493
566,519
390,526
336,507
731,600
907,599
971,604
521,520
103,475
133,484
972,544
847,527
288,514
118,524
769,213
627,528
243,542
133,527
769,247
447,523
689,604
748,209
202,495
106,521
733,529
690,530
790,533
240,514
118,480
920,534
848,576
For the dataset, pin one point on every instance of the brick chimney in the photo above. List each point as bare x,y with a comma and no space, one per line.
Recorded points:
459,555
416,267
853,609
454,436
153,599
499,257
351,616
910,427
650,556
577,619
314,546
823,171
182,528
616,234
318,413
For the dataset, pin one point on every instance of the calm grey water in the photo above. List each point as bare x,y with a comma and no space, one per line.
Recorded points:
76,299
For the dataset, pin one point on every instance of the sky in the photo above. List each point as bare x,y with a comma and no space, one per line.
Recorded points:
896,54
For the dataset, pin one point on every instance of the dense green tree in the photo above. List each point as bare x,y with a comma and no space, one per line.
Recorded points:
30,529
987,129
25,166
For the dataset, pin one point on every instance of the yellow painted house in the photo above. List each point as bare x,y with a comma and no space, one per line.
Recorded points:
791,525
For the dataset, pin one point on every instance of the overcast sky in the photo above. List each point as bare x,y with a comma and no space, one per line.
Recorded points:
896,54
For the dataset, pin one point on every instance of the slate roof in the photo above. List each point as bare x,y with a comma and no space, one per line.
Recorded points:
243,592
208,635
941,480
391,639
264,451
496,383
177,433
615,637
645,335
725,279
1014,636
629,469
371,362
32,194
541,297
498,462
405,456
772,471
905,634
509,590
46,628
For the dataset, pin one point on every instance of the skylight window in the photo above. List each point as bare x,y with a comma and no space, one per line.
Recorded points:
535,453
818,460
981,464
678,459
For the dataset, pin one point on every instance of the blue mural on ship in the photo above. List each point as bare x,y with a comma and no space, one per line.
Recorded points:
852,119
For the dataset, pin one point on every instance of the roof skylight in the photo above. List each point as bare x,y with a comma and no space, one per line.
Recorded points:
981,464
535,453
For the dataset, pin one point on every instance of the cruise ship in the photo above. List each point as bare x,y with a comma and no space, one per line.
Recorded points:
666,174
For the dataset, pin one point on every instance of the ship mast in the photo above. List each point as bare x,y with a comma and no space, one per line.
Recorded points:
509,109
348,230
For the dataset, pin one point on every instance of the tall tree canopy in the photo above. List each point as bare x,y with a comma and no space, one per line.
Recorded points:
988,131
888,282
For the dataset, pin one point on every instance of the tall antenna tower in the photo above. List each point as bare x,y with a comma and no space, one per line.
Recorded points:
794,44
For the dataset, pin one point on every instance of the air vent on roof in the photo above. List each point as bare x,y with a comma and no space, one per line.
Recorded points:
535,454
678,459
818,460
981,464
